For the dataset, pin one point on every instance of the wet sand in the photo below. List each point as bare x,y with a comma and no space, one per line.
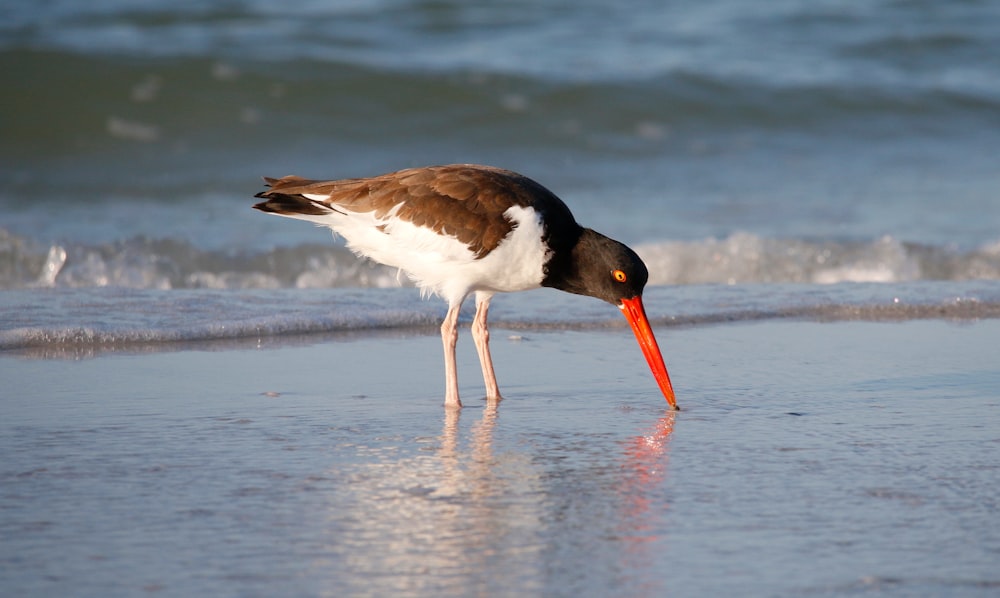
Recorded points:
809,459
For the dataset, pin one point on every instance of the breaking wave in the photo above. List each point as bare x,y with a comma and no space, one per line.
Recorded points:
144,263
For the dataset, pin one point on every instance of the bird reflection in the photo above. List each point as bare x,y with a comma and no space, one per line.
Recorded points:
482,433
643,505
456,514
436,520
469,473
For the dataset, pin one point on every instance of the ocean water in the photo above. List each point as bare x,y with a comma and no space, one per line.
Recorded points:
189,397
801,143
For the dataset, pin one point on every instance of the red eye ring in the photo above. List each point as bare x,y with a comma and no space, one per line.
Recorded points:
619,275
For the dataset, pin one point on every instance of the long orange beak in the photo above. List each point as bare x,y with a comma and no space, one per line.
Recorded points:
635,313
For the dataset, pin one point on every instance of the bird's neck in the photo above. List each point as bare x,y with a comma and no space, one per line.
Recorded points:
565,269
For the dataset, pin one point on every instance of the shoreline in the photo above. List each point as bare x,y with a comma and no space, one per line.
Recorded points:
48,321
84,343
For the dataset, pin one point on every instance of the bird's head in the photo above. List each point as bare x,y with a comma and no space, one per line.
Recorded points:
606,269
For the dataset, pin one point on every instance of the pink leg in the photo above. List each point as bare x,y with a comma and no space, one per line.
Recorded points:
449,337
481,336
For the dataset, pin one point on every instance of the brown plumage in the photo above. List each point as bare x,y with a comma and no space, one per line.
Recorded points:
474,198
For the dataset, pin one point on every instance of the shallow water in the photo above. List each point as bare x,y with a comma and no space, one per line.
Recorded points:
810,459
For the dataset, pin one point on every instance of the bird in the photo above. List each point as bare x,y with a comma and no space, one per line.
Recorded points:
465,229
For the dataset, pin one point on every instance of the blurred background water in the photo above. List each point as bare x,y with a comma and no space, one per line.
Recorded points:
792,142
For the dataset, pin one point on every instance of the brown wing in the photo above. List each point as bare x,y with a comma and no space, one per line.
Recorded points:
464,201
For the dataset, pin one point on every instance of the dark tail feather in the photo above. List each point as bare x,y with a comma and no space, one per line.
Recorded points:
279,203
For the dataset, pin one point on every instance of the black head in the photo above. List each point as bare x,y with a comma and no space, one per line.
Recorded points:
598,267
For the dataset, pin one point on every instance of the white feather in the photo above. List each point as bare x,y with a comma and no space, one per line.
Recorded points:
441,264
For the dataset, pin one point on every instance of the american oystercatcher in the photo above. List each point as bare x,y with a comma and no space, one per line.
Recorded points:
462,229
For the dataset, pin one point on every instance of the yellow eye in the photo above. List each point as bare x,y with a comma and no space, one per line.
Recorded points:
619,275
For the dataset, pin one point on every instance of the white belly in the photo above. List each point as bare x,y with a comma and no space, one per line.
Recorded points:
442,264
